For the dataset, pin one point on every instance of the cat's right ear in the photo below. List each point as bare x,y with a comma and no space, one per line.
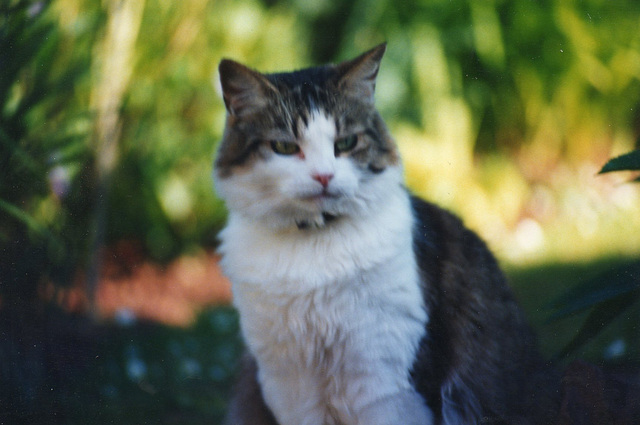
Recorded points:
244,90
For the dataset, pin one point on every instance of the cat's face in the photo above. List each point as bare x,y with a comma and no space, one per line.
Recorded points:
305,148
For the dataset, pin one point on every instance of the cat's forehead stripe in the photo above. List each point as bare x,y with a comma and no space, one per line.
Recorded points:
319,126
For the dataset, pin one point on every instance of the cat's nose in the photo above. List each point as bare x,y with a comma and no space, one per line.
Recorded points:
322,178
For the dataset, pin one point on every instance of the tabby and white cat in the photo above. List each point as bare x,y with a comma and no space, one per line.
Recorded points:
359,303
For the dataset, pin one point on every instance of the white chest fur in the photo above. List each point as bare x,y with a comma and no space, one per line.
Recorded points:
333,317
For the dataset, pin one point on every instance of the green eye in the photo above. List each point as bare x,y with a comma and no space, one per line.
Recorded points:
345,144
284,148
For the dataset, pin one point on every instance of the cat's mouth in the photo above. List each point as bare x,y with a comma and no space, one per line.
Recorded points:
324,195
321,203
323,220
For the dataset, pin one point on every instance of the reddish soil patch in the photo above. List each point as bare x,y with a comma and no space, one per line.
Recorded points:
131,286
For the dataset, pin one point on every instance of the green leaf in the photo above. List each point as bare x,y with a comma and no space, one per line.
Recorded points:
608,295
620,281
23,217
627,162
23,157
598,319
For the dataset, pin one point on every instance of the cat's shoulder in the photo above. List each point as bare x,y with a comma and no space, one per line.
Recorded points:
450,253
438,227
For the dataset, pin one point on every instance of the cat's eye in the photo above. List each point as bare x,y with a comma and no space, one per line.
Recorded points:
284,148
345,144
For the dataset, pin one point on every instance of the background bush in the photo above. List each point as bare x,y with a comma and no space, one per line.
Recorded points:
469,87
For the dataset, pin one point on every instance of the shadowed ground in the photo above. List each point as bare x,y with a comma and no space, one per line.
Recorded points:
168,347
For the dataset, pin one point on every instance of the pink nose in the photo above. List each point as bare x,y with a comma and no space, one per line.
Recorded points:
322,178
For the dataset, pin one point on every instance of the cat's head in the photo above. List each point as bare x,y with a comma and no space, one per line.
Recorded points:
307,147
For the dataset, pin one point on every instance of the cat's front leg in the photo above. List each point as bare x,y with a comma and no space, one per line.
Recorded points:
247,406
405,408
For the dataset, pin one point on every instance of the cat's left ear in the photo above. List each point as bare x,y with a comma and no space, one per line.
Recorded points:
358,76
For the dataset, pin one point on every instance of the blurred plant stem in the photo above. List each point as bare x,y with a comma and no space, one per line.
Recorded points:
112,68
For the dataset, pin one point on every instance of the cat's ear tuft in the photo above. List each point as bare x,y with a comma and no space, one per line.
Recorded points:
244,90
358,76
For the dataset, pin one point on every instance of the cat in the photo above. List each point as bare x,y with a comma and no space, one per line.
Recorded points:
359,303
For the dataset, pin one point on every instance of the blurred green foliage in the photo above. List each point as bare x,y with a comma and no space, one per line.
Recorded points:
497,107
43,151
